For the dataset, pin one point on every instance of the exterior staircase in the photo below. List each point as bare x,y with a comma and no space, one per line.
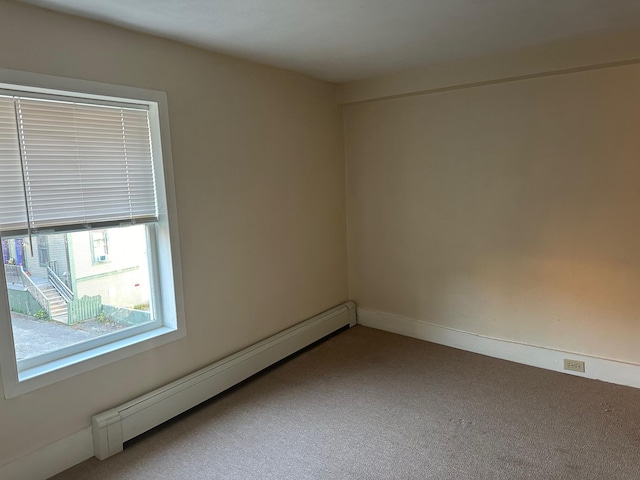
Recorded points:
58,304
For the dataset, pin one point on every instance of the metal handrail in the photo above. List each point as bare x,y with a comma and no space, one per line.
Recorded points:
13,273
16,274
64,291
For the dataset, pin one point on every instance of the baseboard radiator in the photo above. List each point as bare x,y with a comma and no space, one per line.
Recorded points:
117,425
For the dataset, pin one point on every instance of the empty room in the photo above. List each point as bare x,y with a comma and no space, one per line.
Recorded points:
320,240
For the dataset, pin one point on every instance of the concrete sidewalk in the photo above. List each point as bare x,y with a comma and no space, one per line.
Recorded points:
34,337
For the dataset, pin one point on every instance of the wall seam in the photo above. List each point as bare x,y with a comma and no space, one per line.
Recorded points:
499,81
346,202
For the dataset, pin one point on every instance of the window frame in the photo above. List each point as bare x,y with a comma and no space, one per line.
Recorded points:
165,269
43,247
105,246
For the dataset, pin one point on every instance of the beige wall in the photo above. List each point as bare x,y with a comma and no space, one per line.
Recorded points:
259,172
509,210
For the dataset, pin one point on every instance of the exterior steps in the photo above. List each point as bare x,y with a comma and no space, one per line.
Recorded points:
57,303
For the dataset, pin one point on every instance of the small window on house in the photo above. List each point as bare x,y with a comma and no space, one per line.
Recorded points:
43,251
89,245
99,246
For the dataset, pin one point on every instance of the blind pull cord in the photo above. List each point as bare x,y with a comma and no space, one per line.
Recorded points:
24,181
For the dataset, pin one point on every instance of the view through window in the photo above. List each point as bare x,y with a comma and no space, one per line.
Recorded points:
87,248
78,294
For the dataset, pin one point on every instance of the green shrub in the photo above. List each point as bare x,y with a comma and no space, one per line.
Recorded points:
41,315
103,317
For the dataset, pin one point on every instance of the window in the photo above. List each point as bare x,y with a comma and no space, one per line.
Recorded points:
99,246
89,243
43,251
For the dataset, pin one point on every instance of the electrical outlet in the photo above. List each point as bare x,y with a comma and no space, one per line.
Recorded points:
574,365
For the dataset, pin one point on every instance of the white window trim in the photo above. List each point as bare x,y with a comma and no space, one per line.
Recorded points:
169,271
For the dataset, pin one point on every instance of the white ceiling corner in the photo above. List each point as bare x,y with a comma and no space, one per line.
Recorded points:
344,40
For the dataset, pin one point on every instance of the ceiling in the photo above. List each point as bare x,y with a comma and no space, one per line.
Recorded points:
343,40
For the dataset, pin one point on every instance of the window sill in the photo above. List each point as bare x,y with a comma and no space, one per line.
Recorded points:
49,373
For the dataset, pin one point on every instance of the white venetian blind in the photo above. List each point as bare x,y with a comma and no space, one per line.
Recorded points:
84,164
12,207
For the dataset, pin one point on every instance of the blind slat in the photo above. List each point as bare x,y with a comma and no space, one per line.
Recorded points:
12,204
82,164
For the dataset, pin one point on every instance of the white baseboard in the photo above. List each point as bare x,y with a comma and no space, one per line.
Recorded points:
119,424
51,459
597,368
145,412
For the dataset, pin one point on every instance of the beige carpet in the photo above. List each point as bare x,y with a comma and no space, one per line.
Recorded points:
366,404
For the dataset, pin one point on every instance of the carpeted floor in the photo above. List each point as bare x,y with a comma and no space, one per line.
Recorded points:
367,404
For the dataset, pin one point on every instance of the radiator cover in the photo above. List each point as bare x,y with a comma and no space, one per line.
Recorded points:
117,425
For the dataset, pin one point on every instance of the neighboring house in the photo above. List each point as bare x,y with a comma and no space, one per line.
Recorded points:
108,263
49,251
104,262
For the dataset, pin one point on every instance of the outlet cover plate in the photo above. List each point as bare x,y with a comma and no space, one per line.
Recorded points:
574,365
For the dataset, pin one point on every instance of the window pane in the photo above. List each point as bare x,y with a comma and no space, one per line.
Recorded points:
94,283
